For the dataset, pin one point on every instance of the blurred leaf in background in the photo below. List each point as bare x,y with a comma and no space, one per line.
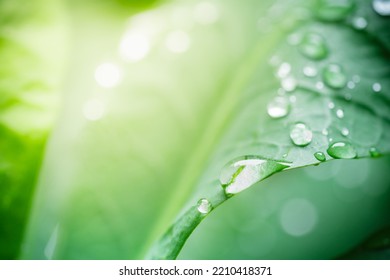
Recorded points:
157,97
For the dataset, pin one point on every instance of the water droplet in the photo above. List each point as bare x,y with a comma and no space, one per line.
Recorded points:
204,206
376,87
351,85
345,131
334,76
293,99
310,71
374,152
331,105
334,10
206,13
325,132
348,96
283,70
108,75
320,85
359,23
313,46
343,150
178,41
274,60
245,171
278,107
381,7
320,156
294,39
340,113
301,135
289,84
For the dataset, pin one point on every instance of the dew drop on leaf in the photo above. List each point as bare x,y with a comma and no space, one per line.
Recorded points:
243,172
374,152
381,7
334,10
204,206
278,107
342,150
289,84
310,71
359,23
334,76
301,135
340,113
320,156
345,131
376,87
283,70
313,46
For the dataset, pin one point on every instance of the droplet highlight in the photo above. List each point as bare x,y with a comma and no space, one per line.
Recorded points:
301,135
278,107
345,131
313,46
334,76
310,71
340,113
289,84
342,150
243,172
359,23
376,87
204,206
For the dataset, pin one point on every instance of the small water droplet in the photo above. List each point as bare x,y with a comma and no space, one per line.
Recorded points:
293,99
331,105
243,172
294,39
351,85
376,87
381,7
340,113
334,76
278,107
320,156
348,96
320,85
283,70
342,150
289,84
325,132
330,140
301,135
204,206
334,10
310,71
359,23
274,60
313,46
345,131
374,152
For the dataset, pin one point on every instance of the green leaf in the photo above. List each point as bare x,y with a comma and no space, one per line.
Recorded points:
30,77
197,101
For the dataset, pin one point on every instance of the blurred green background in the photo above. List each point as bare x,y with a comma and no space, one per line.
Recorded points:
103,110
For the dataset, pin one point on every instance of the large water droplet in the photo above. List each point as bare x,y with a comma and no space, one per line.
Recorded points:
313,46
342,150
301,135
381,7
243,172
334,76
334,10
278,107
320,156
204,206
